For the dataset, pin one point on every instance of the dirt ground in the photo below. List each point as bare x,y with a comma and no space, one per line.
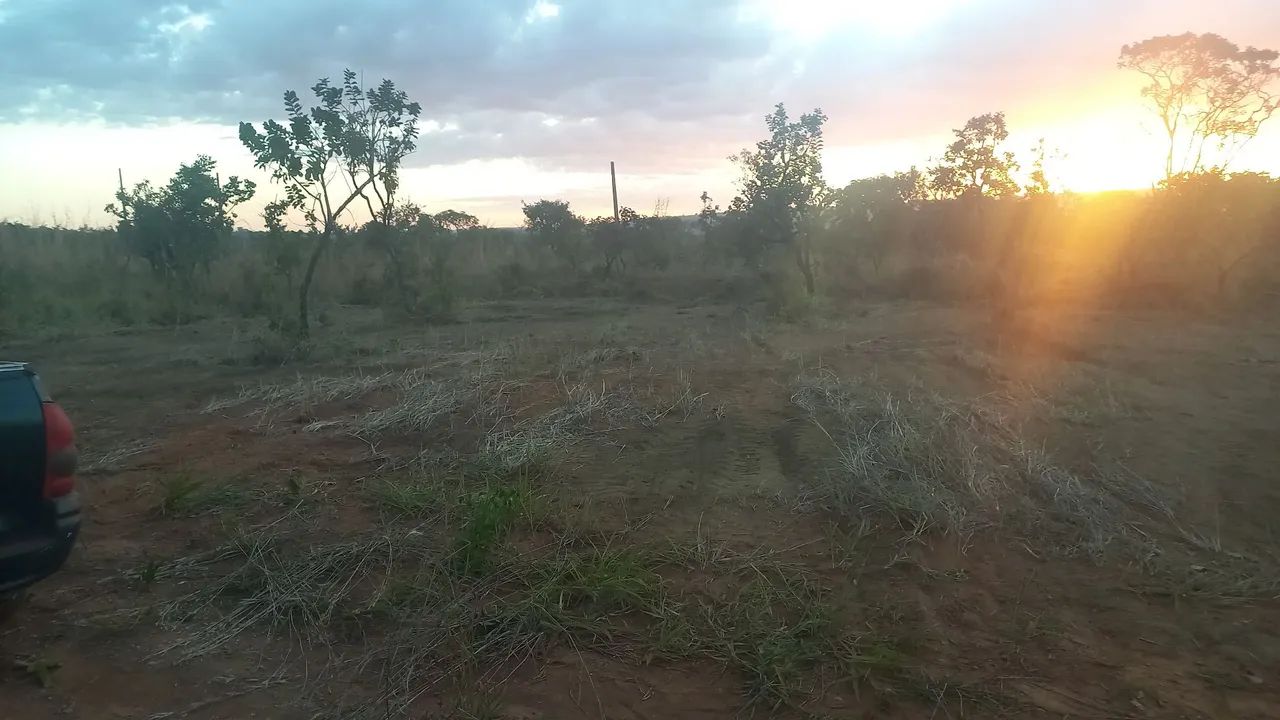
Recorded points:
904,511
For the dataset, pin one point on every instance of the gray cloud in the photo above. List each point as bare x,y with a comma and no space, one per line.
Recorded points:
665,85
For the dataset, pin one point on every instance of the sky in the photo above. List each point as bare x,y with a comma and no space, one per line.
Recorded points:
531,99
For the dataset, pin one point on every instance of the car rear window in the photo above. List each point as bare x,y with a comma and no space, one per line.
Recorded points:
19,403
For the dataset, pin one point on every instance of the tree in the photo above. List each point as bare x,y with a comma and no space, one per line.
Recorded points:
870,212
975,163
456,220
554,226
283,248
348,146
1206,91
611,237
1216,222
782,185
417,248
1038,182
177,228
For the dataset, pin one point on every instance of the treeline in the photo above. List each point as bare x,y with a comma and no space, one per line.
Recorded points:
976,225
1209,240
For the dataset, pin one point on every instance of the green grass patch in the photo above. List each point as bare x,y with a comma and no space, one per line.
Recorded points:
411,495
574,595
184,494
776,632
486,516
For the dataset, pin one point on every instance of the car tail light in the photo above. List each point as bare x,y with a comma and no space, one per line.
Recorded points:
60,452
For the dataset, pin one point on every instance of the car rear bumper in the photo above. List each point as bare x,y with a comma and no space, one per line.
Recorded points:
31,558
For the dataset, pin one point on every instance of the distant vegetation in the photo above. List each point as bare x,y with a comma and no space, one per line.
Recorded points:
976,226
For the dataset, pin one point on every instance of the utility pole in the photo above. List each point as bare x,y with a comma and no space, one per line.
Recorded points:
613,177
120,177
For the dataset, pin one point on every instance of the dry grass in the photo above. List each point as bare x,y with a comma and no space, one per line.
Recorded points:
303,392
112,460
914,460
586,410
929,462
419,404
280,587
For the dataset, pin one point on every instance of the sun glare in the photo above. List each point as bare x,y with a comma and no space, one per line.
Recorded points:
810,20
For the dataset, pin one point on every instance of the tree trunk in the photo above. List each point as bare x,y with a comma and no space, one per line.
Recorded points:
304,325
805,263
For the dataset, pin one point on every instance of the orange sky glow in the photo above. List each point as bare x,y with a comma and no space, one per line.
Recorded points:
883,118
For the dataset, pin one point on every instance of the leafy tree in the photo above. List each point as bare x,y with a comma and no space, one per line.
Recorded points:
1038,181
1217,222
417,248
612,238
869,213
554,226
283,248
1206,90
975,163
456,220
177,228
656,237
782,188
346,148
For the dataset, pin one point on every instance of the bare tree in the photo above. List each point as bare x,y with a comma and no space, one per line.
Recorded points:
1207,91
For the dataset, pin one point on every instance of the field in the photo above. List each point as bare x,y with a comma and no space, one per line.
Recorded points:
584,509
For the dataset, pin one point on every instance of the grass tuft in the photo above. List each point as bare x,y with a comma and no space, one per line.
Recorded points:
183,494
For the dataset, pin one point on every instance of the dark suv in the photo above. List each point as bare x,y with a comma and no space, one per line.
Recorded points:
39,507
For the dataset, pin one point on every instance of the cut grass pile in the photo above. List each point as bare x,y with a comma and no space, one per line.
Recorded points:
306,392
933,463
930,463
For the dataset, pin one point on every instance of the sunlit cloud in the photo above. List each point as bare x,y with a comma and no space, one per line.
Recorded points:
189,22
542,10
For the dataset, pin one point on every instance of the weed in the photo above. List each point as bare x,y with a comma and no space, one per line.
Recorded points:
183,494
148,574
683,400
39,668
775,632
486,517
573,596
673,635
410,494
277,348
477,705
871,654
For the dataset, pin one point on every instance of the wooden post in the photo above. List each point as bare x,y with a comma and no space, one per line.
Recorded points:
613,177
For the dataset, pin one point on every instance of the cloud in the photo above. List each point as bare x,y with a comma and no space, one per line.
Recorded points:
662,87
220,61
